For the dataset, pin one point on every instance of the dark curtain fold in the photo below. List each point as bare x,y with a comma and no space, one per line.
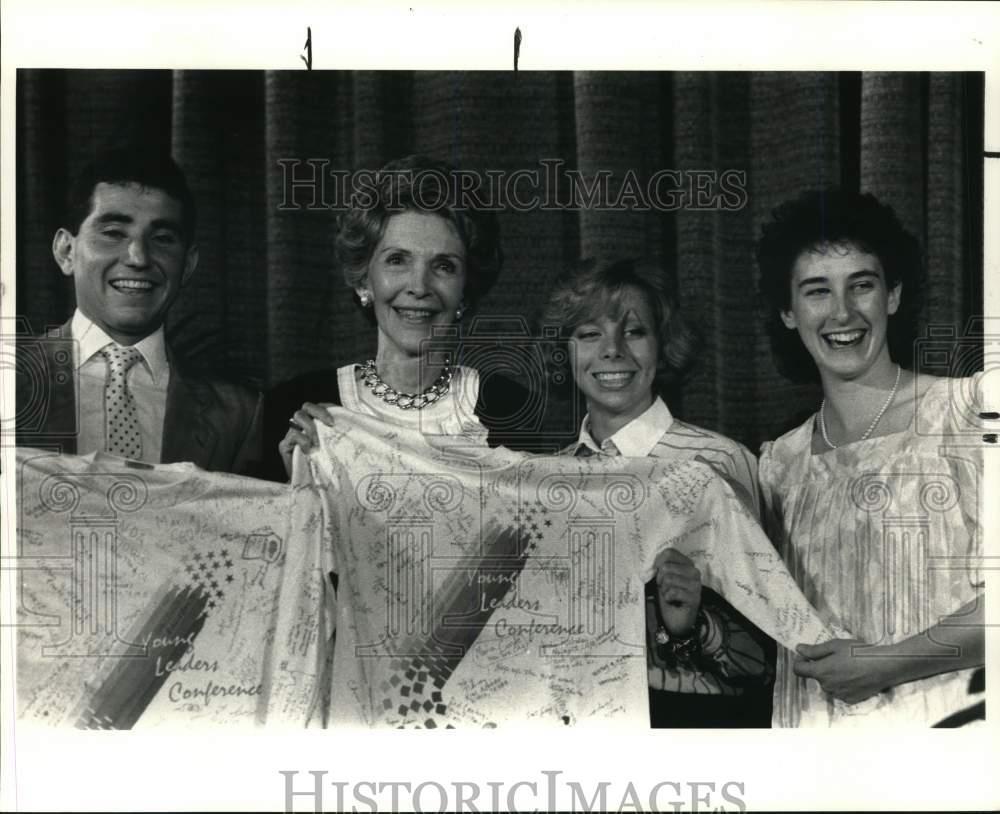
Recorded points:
795,144
266,303
216,138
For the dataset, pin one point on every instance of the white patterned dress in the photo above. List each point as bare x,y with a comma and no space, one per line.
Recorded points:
883,537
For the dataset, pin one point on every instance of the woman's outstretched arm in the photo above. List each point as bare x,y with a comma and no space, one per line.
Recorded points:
852,671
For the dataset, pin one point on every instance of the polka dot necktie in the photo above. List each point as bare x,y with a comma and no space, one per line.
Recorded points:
121,429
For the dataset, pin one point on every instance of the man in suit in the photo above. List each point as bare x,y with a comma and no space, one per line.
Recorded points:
107,380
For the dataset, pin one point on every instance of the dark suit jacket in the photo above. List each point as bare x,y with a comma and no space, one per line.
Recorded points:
211,422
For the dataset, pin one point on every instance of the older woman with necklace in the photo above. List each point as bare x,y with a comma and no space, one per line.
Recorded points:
418,262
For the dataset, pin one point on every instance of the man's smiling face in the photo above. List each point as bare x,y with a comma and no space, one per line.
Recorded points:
128,259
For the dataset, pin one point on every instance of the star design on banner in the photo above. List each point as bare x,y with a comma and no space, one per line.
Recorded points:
532,512
210,571
527,517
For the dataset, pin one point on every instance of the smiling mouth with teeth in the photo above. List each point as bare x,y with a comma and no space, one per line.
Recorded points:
131,285
614,378
414,314
844,339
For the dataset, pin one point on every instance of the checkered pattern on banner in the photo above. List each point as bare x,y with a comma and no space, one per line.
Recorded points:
415,688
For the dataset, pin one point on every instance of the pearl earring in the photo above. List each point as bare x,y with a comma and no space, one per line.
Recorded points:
459,313
366,298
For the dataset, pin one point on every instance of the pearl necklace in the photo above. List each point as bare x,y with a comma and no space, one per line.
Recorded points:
871,427
405,401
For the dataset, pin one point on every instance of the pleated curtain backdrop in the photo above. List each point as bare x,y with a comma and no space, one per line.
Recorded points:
266,304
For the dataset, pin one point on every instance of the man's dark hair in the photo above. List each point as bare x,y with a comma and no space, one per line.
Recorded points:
140,165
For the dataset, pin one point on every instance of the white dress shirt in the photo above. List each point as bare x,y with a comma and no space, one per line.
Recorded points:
656,433
147,381
637,438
